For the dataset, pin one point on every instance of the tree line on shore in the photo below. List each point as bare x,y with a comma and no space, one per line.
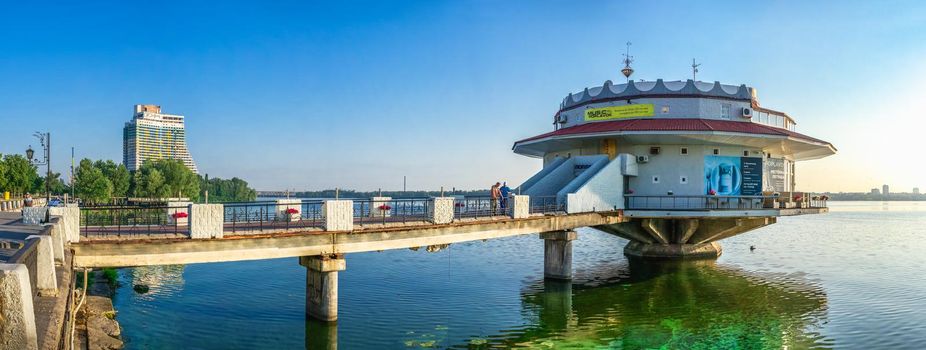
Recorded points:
101,181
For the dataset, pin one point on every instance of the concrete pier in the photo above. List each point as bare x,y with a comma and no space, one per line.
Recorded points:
321,286
557,254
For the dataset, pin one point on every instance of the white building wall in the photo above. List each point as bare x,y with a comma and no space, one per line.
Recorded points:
703,108
604,191
670,166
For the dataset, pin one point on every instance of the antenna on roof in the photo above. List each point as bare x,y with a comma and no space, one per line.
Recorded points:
694,69
628,59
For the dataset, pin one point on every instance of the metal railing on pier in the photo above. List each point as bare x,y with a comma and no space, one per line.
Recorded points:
479,207
119,221
546,205
397,211
246,217
697,202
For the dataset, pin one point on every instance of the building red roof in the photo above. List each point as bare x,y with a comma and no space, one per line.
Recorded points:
673,124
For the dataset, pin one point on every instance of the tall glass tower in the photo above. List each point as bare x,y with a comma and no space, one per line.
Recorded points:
154,135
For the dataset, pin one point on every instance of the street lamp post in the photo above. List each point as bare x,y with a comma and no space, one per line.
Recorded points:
45,141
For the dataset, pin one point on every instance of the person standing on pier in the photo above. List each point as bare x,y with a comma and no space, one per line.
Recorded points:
496,193
505,191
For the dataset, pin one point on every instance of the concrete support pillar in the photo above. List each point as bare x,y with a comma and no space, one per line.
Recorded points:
557,254
520,206
441,210
206,221
339,215
45,280
69,222
16,312
283,209
321,286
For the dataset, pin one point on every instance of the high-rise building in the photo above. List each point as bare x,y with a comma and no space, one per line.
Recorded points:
154,135
885,190
916,190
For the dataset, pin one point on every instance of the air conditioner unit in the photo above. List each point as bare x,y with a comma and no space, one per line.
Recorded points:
561,119
642,159
747,112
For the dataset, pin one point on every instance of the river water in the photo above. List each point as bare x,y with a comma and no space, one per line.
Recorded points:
853,278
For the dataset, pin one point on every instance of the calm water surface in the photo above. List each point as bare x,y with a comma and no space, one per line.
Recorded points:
853,278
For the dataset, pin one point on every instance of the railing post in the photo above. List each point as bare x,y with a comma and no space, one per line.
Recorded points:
206,221
520,206
177,207
45,281
284,205
375,207
69,222
339,215
16,310
441,210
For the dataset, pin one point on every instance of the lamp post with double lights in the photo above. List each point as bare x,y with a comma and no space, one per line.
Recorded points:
45,141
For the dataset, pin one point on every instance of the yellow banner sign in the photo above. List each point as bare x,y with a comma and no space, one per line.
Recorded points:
619,112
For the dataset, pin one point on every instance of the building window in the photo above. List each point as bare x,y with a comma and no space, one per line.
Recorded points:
725,111
745,153
654,150
716,151
684,151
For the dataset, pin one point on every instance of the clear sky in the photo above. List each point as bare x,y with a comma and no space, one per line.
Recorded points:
313,95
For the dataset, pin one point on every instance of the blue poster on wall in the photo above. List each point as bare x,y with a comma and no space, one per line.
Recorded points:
752,176
723,175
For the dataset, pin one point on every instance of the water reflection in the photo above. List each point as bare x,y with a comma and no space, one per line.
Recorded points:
162,281
320,335
672,305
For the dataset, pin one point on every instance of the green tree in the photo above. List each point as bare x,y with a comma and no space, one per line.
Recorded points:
234,190
180,180
20,173
91,184
149,183
56,185
117,174
3,175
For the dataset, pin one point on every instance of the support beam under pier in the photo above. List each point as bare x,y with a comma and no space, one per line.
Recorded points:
557,254
321,286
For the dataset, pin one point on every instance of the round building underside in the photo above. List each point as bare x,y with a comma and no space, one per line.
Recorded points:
710,250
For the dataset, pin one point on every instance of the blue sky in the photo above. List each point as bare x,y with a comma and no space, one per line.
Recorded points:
313,95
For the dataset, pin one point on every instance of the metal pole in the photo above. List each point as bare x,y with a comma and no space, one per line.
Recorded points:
72,172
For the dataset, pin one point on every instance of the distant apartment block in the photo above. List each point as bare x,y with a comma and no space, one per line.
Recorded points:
885,190
154,135
875,191
916,190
